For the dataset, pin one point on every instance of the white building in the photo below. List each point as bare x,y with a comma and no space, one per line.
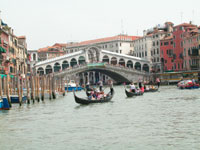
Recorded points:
122,44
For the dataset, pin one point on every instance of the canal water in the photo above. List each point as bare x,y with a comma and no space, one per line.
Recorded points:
168,119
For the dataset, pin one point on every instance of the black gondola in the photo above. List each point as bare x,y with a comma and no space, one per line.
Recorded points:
151,90
87,101
131,94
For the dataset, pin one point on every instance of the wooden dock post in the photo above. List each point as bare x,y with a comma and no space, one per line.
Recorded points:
50,87
18,90
1,87
38,88
63,86
32,89
53,87
7,90
42,87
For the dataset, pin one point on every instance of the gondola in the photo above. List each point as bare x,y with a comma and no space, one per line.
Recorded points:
87,101
151,90
131,94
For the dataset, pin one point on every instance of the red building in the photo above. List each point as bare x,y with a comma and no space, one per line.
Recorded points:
166,54
191,49
4,51
178,40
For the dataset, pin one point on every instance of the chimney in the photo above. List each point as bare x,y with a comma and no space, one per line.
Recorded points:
144,32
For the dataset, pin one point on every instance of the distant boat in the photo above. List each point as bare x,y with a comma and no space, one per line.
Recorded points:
15,99
72,86
88,101
4,105
187,84
131,94
151,90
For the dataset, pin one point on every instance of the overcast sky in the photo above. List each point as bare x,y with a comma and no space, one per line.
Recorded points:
45,22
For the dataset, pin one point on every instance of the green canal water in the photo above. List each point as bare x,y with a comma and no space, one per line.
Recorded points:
166,120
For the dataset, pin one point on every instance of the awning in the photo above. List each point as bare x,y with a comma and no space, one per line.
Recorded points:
2,50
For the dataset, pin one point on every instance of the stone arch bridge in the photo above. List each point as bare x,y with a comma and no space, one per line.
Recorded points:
94,64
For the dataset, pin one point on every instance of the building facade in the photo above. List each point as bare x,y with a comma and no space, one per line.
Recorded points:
51,51
122,44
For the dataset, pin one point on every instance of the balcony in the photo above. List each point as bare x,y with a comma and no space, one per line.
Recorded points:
194,52
194,67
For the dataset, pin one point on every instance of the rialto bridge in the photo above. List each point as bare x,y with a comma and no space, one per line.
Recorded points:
94,64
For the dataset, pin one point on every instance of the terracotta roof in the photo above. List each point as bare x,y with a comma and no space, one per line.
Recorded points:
107,39
60,44
21,37
185,25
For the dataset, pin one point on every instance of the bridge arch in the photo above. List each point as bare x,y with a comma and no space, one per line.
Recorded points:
129,64
65,64
81,60
122,62
105,59
56,67
48,69
138,66
93,54
73,62
113,61
40,71
145,68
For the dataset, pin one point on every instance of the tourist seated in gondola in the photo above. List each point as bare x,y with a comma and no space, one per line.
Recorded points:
142,89
132,88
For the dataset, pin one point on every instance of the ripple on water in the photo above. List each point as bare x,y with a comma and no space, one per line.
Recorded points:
168,119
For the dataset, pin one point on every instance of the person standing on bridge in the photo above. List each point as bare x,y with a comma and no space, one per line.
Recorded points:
100,85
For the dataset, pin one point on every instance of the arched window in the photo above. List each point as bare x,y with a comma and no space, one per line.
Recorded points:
113,60
57,67
138,66
105,59
65,65
81,60
48,69
129,64
122,62
73,62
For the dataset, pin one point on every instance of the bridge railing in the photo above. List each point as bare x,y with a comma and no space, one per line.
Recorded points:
77,68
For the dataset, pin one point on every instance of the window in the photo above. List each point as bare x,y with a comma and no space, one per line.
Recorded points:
142,54
174,37
181,43
174,45
161,43
166,43
116,44
116,51
120,51
153,43
120,44
105,46
145,53
158,59
165,61
157,43
171,42
157,51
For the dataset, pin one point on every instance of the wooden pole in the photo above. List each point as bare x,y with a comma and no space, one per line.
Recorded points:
53,87
21,89
38,88
42,87
27,89
32,89
4,85
50,87
7,90
1,87
18,90
63,86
